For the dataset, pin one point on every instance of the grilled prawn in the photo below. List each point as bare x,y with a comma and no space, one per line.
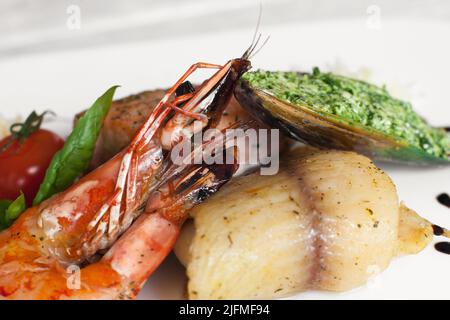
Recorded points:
127,115
69,229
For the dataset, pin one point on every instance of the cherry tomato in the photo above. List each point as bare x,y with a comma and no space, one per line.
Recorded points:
23,163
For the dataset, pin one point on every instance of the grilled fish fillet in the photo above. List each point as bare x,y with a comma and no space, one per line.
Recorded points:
329,220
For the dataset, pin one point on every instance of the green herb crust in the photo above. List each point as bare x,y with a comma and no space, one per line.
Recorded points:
354,102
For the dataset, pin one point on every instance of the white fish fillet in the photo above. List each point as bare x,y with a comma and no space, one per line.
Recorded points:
328,221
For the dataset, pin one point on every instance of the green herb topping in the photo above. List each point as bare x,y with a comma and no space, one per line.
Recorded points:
354,103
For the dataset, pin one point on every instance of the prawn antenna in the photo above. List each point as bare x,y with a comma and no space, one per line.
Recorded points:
252,49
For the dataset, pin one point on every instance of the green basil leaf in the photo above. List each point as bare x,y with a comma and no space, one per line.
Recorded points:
15,209
4,204
74,158
11,210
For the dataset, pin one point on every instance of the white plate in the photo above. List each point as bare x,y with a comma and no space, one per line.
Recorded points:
411,56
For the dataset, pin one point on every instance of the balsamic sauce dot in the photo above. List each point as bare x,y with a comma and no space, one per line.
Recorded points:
444,199
443,247
438,231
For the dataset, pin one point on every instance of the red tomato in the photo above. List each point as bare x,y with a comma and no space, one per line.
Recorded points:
23,164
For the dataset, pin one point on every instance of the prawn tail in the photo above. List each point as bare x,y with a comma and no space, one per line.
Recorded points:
143,247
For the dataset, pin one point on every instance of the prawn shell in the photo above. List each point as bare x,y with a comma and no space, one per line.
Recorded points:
326,131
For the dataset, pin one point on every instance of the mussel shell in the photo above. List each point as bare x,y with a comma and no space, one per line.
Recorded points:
305,125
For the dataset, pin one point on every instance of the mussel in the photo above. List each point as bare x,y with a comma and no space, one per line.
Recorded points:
335,112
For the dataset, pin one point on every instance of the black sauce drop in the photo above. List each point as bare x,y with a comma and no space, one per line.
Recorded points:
443,247
438,231
444,199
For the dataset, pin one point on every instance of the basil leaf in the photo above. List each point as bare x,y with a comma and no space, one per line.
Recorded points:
15,209
74,158
11,210
4,204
